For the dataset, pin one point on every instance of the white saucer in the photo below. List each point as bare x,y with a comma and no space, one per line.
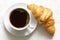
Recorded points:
29,30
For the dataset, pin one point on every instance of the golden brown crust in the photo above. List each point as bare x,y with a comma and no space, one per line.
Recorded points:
51,30
39,11
46,14
49,23
32,7
44,17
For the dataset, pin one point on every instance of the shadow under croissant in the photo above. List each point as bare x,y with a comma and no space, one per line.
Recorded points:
42,32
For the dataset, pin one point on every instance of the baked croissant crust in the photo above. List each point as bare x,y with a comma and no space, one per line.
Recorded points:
44,16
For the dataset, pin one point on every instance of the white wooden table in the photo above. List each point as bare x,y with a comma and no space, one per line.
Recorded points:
39,33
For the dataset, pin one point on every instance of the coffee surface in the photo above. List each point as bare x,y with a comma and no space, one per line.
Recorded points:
19,17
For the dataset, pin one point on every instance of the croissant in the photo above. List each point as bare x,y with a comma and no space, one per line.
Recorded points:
44,17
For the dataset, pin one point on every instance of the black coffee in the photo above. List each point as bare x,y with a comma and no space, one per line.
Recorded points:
19,17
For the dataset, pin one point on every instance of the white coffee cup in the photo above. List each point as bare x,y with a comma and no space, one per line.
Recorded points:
20,28
13,8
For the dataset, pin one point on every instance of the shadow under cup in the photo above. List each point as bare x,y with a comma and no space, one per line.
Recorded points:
19,18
